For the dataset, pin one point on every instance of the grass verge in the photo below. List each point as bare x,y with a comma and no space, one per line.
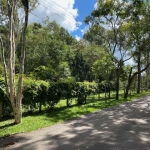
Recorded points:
60,113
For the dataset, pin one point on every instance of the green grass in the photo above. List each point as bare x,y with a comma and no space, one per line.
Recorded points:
60,113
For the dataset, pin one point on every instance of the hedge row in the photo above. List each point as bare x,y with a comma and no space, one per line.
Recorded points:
38,93
34,96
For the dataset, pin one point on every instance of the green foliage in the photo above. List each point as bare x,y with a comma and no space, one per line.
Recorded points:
95,35
50,45
104,68
64,70
44,73
29,96
80,69
33,93
61,113
53,55
38,93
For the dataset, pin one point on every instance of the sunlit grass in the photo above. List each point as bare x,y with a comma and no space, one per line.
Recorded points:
61,113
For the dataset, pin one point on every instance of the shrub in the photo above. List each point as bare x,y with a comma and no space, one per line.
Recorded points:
38,93
33,93
42,95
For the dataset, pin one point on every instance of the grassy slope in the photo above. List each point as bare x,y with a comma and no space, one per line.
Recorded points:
60,113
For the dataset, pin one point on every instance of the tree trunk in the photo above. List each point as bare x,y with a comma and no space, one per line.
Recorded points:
11,10
147,73
139,74
109,90
147,86
117,83
117,89
40,107
15,98
105,91
1,109
18,114
99,96
21,71
128,85
130,79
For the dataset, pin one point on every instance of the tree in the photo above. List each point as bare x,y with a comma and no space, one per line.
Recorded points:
47,46
79,68
92,53
14,90
138,34
106,26
104,68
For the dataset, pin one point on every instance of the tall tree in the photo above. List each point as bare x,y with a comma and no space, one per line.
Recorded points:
138,33
107,24
47,46
14,90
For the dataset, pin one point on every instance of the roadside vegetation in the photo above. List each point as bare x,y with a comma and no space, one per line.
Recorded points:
61,113
47,76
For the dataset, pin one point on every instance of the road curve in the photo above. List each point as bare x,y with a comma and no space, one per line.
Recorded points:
122,127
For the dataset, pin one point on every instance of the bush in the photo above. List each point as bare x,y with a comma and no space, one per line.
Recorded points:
34,94
44,73
38,93
29,97
42,95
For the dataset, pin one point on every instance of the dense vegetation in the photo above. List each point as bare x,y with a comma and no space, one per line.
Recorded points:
57,66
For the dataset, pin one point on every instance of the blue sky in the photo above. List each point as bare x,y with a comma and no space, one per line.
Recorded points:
68,13
85,7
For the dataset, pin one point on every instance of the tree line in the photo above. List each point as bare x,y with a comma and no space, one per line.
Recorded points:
118,32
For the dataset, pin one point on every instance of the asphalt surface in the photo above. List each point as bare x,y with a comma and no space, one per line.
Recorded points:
122,127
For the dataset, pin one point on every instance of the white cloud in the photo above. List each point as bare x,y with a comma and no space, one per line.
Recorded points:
77,38
63,12
96,5
83,31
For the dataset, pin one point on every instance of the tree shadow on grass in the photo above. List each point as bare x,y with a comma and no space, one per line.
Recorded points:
6,118
7,125
63,113
106,102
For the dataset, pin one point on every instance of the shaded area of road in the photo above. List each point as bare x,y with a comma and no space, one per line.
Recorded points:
122,127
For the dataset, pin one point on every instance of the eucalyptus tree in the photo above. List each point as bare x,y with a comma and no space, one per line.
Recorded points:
137,32
9,10
92,53
106,25
137,28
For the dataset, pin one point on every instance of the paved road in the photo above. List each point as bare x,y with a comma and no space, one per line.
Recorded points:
123,127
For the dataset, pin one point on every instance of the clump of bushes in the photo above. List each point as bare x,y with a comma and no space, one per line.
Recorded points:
38,93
